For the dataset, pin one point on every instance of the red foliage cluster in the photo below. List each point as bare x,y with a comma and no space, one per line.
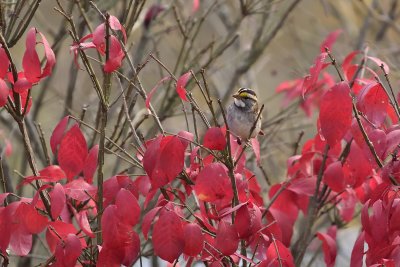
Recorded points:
354,153
352,159
21,82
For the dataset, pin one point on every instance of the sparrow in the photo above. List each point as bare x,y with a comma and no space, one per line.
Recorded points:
242,114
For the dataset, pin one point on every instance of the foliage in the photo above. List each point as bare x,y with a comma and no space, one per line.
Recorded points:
195,197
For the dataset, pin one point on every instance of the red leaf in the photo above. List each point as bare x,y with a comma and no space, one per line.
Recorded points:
73,152
193,239
5,225
128,208
330,40
311,79
227,239
329,246
33,222
303,186
31,61
21,241
185,137
279,255
213,183
358,165
164,160
393,140
4,92
58,134
172,157
80,190
116,56
334,177
256,148
148,219
83,222
50,57
22,85
195,6
168,241
152,13
91,164
180,85
151,93
335,118
67,253
113,231
63,230
248,220
53,172
58,200
214,139
5,62
357,253
373,102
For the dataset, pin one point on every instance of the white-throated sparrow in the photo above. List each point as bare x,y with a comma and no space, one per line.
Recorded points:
242,114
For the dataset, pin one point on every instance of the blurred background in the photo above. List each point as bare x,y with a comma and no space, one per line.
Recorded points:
239,43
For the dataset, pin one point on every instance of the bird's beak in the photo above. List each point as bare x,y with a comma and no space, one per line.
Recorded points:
235,96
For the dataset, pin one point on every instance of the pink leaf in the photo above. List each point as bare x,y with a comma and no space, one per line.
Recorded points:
336,119
256,148
180,85
150,95
58,200
91,164
21,241
193,239
214,139
83,222
379,62
58,134
4,92
168,236
80,190
73,152
329,246
50,57
185,137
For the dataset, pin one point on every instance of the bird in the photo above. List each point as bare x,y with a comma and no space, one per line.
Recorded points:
242,114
